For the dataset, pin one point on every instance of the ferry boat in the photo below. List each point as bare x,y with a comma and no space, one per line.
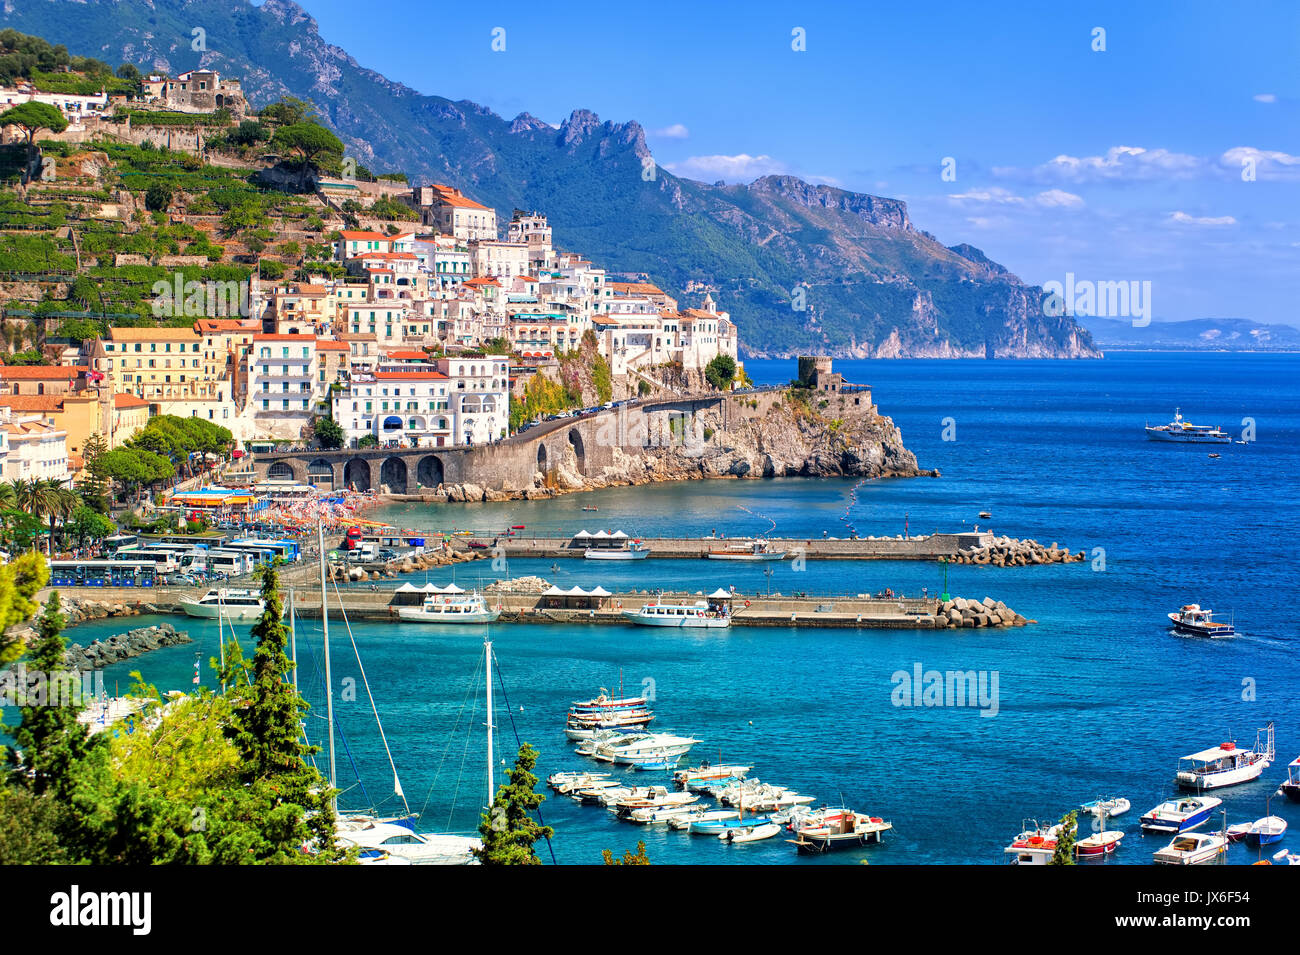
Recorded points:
1184,432
1226,764
1192,620
1180,815
634,550
757,550
1193,848
1291,788
697,614
450,608
230,604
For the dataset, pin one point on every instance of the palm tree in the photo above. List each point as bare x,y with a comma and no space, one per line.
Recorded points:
36,497
62,502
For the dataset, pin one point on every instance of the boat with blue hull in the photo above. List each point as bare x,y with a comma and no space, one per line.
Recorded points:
1180,815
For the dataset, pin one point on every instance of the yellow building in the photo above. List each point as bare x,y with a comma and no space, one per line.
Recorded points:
76,415
128,416
162,363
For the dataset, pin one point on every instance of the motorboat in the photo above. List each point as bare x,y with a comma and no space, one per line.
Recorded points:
751,833
697,614
700,814
644,748
1191,620
1184,432
716,826
1226,764
1192,848
1291,788
1034,846
229,604
1113,806
706,777
1239,832
745,550
632,550
377,839
451,608
1180,815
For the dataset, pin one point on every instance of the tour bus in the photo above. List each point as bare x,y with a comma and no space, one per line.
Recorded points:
103,573
165,561
230,563
286,549
118,542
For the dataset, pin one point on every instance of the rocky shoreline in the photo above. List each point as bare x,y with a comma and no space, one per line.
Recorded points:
124,646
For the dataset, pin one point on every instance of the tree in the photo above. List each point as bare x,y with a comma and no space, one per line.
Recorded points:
509,831
49,738
329,434
288,111
268,733
628,858
129,72
158,197
20,580
79,329
310,142
31,117
87,524
95,486
720,371
62,502
1064,853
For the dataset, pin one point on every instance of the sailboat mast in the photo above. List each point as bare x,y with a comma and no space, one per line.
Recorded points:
487,649
329,685
293,642
221,643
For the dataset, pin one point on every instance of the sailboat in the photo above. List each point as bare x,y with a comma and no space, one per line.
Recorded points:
381,841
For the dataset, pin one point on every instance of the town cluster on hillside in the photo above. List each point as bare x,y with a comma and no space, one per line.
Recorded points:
419,335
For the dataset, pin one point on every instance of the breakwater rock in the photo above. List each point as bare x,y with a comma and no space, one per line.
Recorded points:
1009,552
123,646
964,612
519,585
79,610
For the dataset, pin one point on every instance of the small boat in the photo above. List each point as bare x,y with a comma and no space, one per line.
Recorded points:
1184,432
450,608
1098,844
985,515
1283,855
517,527
756,833
1291,788
1266,831
1114,806
588,507
644,747
1180,815
753,551
1034,846
230,604
380,840
841,830
1214,455
1226,764
705,776
686,820
1239,832
1192,848
697,615
717,826
651,815
1193,621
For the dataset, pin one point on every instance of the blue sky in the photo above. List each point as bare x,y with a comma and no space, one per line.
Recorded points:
1122,164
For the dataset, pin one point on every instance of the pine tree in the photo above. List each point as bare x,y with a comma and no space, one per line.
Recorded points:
640,858
1064,854
509,831
48,739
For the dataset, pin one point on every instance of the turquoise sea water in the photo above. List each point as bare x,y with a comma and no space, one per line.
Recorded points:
1097,698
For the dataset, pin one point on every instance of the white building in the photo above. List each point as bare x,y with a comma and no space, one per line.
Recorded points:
454,401
31,448
282,384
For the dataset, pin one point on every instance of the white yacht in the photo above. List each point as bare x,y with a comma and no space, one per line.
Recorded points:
1184,432
1192,848
697,614
230,604
745,550
1226,764
644,748
450,608
377,839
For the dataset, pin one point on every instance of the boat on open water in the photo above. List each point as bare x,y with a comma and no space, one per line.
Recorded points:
1226,764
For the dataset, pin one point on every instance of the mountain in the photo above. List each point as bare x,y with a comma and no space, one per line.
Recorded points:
869,282
1202,334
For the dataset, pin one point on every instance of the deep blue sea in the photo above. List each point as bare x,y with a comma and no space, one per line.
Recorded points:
1097,698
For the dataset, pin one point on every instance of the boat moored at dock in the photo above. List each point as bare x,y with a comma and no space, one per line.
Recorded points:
1192,848
754,551
451,607
842,829
696,615
230,604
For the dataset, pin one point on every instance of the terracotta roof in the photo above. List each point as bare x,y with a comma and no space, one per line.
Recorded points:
410,376
487,281
348,235
42,372
636,288
229,325
129,401
328,345
285,338
407,355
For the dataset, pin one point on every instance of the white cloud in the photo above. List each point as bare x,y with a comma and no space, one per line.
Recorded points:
1119,162
1268,163
1265,98
996,195
1182,218
675,131
739,168
1059,199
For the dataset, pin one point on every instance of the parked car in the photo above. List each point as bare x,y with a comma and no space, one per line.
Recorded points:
387,553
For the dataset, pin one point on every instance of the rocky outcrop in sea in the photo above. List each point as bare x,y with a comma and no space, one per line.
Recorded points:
123,646
964,612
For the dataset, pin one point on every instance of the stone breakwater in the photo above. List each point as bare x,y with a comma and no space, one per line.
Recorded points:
406,565
1009,552
964,612
124,646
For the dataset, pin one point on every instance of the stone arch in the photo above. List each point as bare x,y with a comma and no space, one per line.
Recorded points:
429,471
320,471
541,457
280,471
393,473
357,474
575,441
